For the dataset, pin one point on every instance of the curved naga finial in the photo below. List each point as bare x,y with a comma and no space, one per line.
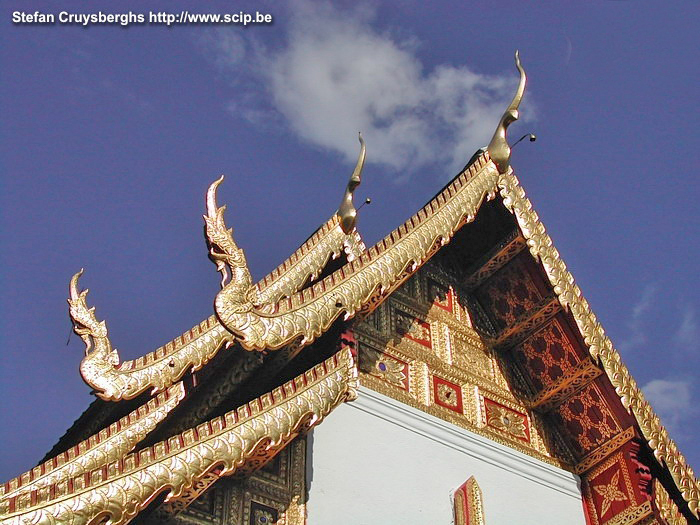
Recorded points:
347,211
498,148
100,357
223,251
113,380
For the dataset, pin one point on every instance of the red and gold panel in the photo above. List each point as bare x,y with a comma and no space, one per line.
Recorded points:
447,394
441,295
549,354
412,328
510,293
617,490
505,420
588,419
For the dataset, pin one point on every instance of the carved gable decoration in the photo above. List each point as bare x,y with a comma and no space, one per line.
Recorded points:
468,504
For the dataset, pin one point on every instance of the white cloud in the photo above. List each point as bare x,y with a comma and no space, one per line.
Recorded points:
635,324
672,400
337,75
225,48
688,334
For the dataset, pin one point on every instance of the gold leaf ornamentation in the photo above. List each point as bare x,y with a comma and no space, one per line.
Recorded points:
114,380
599,345
468,504
666,506
447,395
498,148
257,430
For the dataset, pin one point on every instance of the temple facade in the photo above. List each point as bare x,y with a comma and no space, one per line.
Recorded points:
451,373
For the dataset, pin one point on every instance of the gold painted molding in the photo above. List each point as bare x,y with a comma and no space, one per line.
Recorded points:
599,345
108,445
603,451
240,439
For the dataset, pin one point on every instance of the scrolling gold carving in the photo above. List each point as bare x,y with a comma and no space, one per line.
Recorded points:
633,515
599,345
604,450
119,490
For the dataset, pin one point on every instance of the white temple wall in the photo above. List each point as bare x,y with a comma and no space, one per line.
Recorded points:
378,461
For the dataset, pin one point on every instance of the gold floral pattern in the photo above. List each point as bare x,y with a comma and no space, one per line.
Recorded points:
447,395
610,492
413,328
506,420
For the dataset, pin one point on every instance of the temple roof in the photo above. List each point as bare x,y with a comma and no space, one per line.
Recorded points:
261,327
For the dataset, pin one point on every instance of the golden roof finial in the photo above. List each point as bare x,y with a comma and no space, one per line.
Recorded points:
498,148
347,211
223,250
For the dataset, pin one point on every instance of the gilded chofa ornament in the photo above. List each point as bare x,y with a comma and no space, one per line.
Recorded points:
223,251
114,380
336,236
498,148
346,210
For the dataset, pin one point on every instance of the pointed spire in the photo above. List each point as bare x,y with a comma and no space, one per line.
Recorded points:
347,211
498,148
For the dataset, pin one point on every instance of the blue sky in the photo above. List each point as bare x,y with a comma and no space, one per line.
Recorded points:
110,137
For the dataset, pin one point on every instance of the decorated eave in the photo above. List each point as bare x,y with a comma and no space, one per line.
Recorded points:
294,306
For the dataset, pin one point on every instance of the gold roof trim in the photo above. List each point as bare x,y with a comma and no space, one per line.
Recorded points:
599,345
328,242
109,444
498,148
666,506
308,313
347,211
119,490
306,262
